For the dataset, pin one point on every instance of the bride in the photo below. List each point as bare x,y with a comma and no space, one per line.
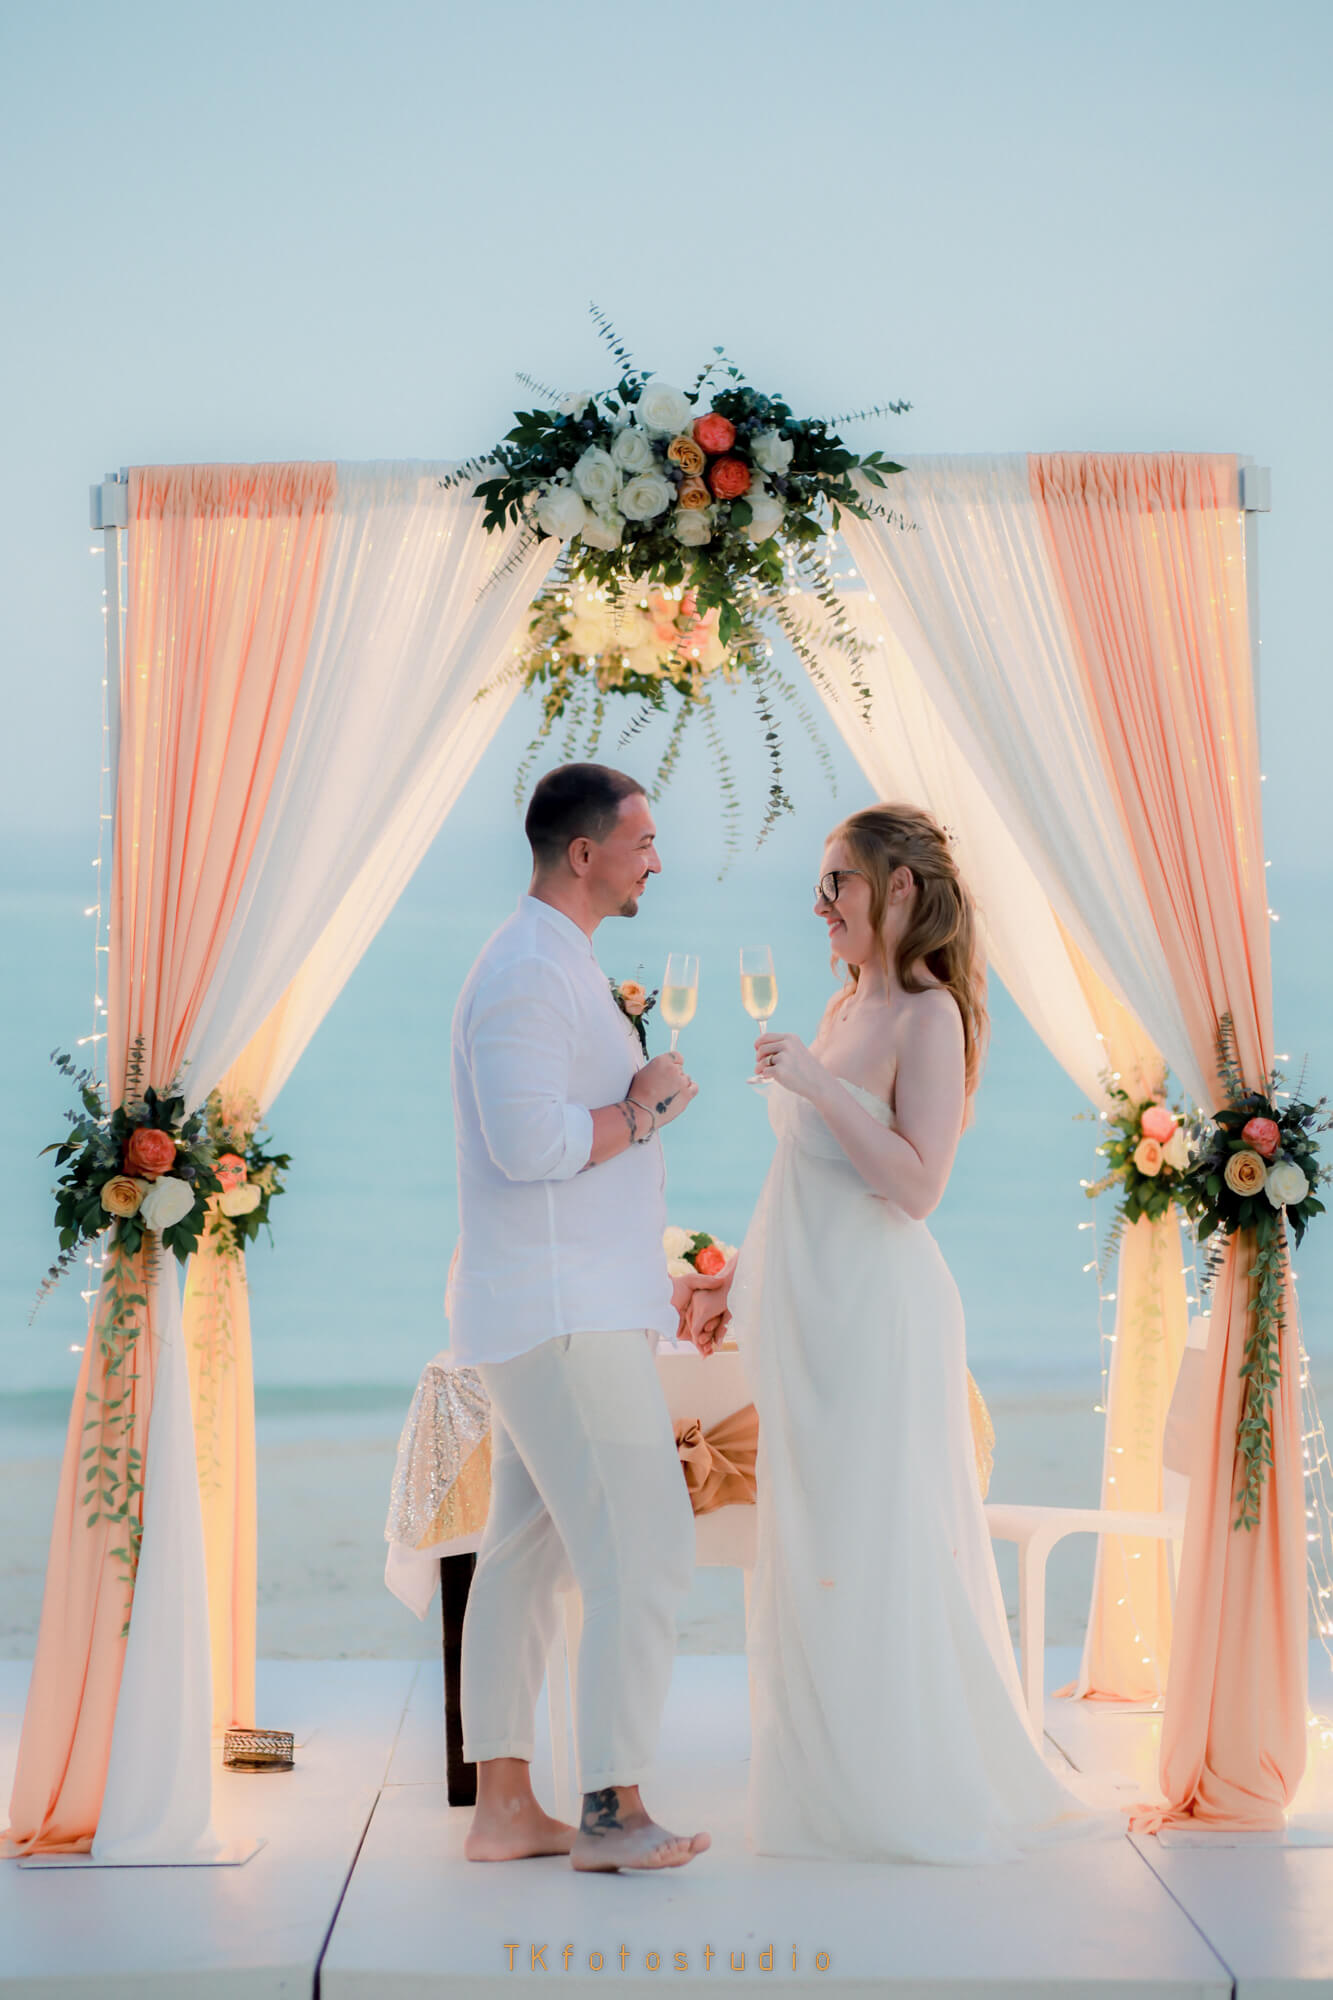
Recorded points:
887,1717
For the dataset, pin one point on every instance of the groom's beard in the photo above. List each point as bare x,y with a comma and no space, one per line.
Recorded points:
630,909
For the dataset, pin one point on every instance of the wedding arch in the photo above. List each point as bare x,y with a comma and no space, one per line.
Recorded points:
1060,661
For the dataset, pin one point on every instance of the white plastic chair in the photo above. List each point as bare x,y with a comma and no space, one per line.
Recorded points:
708,1388
1036,1530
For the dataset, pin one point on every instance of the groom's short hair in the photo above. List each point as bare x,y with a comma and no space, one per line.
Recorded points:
574,802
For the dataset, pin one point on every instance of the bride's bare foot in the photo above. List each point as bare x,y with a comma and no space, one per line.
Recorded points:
508,1824
616,1832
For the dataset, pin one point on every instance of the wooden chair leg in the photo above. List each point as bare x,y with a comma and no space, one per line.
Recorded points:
460,1778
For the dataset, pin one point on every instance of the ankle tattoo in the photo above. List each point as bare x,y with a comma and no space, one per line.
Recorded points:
601,1811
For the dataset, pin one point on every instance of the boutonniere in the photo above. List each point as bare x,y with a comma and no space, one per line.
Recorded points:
635,1002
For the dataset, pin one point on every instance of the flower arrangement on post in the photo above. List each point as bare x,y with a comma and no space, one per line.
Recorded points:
1146,1149
250,1176
635,1003
1256,1168
718,492
144,1168
695,1250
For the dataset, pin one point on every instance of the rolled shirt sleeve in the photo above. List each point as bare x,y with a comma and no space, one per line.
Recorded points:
521,1042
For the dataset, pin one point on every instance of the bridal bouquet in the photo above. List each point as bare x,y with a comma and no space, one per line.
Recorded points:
250,1176
144,1168
695,1250
1256,1168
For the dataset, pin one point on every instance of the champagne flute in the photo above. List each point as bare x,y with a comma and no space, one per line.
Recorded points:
680,992
759,991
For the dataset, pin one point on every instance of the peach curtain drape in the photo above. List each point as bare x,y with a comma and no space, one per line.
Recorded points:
1150,556
223,584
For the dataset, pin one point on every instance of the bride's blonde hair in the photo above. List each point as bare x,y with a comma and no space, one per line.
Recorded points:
942,930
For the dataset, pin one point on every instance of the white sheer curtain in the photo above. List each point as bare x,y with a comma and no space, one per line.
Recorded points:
968,592
385,733
906,753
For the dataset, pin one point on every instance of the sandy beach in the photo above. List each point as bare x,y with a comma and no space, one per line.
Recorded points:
323,1491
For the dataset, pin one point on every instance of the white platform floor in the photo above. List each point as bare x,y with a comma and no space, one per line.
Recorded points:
361,1892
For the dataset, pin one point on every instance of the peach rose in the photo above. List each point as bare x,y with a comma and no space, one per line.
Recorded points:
710,1260
693,494
729,478
122,1196
714,433
1263,1135
688,455
1246,1173
1158,1123
149,1152
632,996
230,1169
1148,1156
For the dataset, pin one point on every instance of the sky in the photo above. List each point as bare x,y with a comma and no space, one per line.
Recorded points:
287,230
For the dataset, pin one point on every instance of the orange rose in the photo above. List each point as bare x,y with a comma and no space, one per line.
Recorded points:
1246,1173
230,1169
729,478
709,1261
632,996
715,433
1148,1156
149,1152
693,494
121,1196
688,455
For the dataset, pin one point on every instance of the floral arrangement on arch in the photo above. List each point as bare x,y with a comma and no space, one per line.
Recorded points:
251,1177
1147,1149
719,493
144,1169
695,1250
1254,1169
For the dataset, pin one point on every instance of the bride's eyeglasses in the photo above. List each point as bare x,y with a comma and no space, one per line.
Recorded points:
828,886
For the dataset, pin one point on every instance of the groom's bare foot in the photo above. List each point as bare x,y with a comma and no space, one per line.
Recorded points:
616,1832
508,1824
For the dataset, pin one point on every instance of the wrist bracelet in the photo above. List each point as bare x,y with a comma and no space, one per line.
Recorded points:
637,1107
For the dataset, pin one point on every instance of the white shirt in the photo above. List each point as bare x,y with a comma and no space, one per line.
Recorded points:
546,1248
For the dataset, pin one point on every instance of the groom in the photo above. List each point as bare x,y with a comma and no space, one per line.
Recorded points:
557,1297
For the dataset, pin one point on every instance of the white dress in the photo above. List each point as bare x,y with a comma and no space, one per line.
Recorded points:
886,1713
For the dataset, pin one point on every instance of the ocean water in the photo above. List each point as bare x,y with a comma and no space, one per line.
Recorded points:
347,1305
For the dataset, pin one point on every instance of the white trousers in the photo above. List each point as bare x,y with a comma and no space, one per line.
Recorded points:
585,1484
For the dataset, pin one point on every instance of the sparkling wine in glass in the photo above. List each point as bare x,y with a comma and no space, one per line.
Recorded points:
680,992
759,989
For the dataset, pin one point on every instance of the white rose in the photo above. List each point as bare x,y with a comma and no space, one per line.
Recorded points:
631,450
166,1202
675,1240
712,654
1176,1152
692,526
646,496
645,660
766,515
630,627
595,475
1285,1185
242,1200
574,404
587,638
560,512
771,451
677,1267
602,531
662,408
